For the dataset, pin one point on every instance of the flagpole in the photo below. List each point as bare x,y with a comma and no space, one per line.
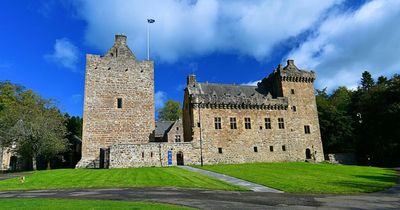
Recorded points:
148,41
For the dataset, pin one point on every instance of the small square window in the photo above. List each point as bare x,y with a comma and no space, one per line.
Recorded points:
271,148
255,149
119,103
283,148
294,108
292,91
219,150
177,138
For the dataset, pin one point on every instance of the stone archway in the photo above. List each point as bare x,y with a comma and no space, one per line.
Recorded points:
179,159
308,154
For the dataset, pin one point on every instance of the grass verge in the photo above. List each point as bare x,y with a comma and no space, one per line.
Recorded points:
67,204
115,178
301,177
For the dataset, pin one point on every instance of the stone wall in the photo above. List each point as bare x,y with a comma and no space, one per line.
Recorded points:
152,154
116,75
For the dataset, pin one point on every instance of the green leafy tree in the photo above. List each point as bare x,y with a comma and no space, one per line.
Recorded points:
32,123
171,111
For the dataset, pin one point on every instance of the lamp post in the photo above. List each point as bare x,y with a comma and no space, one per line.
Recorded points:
149,21
201,138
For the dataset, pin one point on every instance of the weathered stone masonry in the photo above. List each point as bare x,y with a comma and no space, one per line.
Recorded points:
276,120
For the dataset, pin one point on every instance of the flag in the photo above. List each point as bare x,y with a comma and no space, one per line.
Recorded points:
151,20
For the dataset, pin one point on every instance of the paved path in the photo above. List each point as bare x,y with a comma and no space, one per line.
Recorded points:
232,180
4,176
210,199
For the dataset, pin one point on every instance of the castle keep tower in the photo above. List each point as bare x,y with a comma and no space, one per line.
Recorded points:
119,102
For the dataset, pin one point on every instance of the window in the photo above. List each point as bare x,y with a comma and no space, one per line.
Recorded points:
294,108
151,154
255,149
217,123
307,129
219,150
271,148
281,123
198,124
267,123
247,123
119,103
233,122
283,148
177,138
177,128
292,91
142,154
260,127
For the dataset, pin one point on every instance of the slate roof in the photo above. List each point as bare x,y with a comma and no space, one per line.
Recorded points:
162,127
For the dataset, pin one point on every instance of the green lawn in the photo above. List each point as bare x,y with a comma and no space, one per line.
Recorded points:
112,178
312,178
67,204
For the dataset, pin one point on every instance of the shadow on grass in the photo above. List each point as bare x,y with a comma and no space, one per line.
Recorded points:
370,183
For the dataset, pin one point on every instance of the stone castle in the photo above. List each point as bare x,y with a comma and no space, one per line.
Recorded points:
276,120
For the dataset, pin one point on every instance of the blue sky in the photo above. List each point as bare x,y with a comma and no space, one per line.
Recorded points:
43,43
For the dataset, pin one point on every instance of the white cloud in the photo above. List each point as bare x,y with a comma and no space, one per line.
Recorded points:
346,44
159,99
65,54
189,28
251,83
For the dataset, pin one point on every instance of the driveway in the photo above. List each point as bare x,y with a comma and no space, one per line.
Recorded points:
211,199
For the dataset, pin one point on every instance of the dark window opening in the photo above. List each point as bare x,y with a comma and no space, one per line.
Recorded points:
308,154
142,154
217,123
198,124
119,103
283,148
247,123
271,148
267,123
177,128
307,129
177,138
294,108
151,154
255,149
116,52
219,150
292,91
260,127
281,123
233,122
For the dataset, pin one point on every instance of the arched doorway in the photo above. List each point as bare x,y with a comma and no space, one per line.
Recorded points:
179,159
13,163
308,154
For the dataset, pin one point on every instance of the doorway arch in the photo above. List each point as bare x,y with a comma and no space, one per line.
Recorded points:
308,154
179,158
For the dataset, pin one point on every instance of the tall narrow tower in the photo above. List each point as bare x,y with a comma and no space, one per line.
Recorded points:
119,101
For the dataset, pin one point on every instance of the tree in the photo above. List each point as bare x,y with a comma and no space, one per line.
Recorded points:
32,123
171,111
366,81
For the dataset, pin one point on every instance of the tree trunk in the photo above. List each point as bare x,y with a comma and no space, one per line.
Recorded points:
34,167
48,165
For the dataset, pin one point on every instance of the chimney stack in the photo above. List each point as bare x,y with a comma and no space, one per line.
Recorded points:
120,39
